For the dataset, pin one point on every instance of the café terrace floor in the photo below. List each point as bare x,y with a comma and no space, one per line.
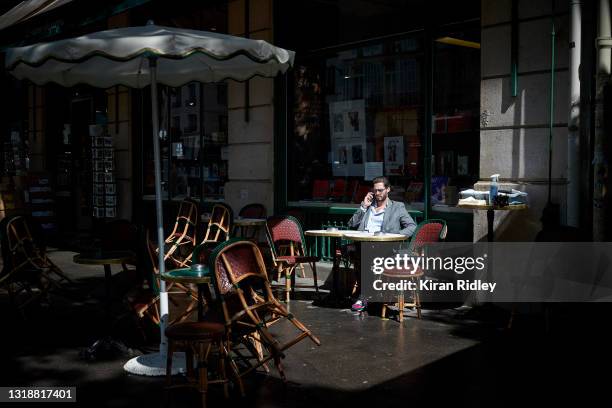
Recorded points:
450,356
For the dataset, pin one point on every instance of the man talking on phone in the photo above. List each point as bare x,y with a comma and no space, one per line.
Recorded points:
379,214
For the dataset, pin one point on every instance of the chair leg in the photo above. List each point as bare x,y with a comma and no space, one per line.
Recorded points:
204,350
314,276
400,306
417,303
189,362
225,347
222,371
383,313
279,272
287,283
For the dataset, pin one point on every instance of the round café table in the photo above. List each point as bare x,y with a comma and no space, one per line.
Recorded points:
334,298
364,236
491,214
106,259
196,274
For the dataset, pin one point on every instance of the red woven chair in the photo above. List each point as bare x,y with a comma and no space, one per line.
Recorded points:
320,190
282,230
253,210
360,193
248,305
427,232
339,189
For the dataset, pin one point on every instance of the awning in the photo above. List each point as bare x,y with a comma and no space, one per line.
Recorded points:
28,9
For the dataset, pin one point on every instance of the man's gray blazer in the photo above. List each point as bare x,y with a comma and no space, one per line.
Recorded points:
396,219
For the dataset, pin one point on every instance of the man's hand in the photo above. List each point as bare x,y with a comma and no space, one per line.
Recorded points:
367,201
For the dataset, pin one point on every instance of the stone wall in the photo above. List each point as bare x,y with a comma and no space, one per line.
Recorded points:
251,144
514,130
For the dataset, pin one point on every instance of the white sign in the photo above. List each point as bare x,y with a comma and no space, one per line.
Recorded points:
373,170
394,155
348,148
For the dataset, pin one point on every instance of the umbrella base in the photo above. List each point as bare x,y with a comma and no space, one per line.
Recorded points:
153,365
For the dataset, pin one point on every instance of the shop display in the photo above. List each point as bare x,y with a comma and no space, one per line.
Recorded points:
104,198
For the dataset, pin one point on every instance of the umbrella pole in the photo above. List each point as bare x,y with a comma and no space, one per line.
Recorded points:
155,364
163,295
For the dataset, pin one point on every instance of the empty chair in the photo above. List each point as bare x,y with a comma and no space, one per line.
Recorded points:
287,230
320,190
254,210
360,192
26,268
199,339
427,232
220,223
144,301
181,241
247,303
339,189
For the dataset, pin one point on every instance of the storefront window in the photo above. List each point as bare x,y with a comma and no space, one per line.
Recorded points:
456,101
193,146
358,115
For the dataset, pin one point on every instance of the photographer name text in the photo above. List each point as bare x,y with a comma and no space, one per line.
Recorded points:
430,285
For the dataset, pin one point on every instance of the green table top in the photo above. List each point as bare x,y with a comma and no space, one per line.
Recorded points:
188,275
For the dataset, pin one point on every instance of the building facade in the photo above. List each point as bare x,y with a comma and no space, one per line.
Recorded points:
438,96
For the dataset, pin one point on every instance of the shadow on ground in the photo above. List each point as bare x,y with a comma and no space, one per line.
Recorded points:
550,357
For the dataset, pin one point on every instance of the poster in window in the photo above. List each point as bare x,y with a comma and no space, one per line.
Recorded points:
348,137
394,155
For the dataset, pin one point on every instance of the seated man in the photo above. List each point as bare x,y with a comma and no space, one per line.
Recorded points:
378,213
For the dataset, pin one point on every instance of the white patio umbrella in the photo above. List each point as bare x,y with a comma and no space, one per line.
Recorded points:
138,57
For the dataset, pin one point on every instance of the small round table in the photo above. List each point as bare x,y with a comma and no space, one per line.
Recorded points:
363,236
201,277
335,235
105,258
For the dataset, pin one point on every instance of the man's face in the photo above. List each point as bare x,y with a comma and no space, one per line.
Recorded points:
380,192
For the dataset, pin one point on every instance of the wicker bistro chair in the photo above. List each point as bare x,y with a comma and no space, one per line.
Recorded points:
144,302
182,239
287,229
220,224
27,253
253,210
199,339
217,230
26,268
427,232
248,304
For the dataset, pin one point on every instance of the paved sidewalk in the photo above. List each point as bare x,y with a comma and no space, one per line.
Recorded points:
363,360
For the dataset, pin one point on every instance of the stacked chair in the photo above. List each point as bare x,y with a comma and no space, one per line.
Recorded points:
241,315
253,210
217,230
181,241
